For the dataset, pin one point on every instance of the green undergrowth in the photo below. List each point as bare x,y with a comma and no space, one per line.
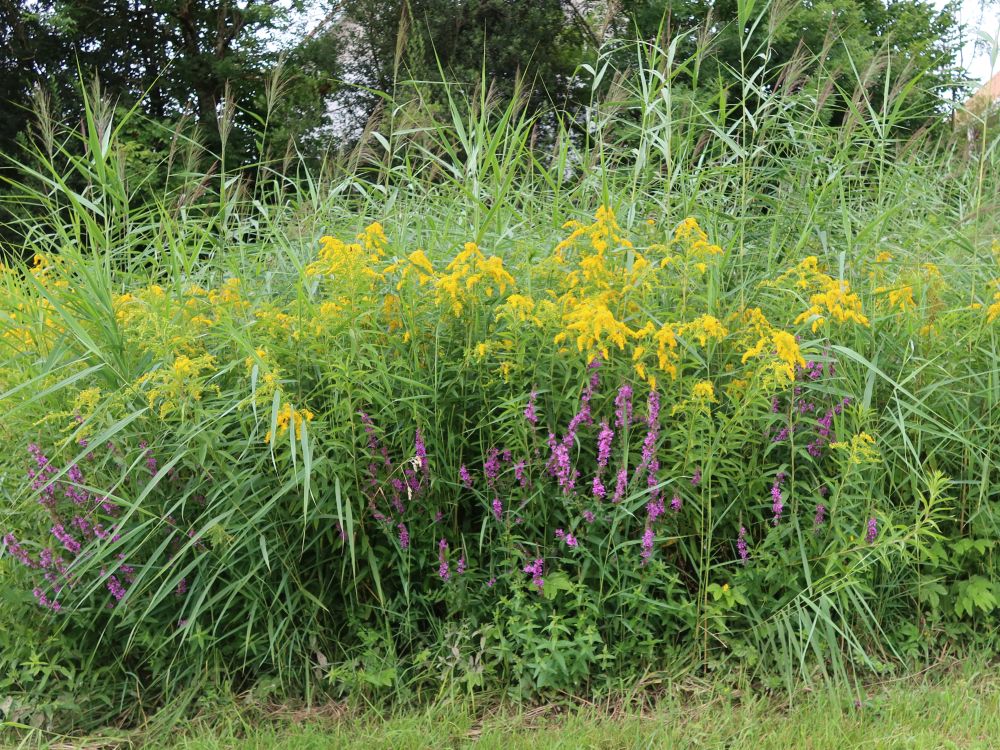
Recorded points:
346,433
954,708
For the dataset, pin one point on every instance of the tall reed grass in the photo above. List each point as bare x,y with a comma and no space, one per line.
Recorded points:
342,430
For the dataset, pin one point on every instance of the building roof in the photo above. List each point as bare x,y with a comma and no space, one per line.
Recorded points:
989,93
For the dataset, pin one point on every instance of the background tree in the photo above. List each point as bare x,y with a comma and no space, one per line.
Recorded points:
871,41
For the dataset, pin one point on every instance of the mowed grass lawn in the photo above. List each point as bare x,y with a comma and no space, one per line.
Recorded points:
957,709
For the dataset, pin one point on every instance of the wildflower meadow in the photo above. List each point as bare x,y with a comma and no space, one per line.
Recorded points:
502,405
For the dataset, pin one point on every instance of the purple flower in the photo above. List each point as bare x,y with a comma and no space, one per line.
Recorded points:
421,450
529,410
820,516
652,422
647,544
519,473
460,568
562,536
442,560
604,439
559,465
18,552
84,526
696,477
775,405
623,407
463,474
67,539
872,530
490,583
620,486
655,509
598,488
41,479
116,588
777,506
588,516
404,535
72,491
741,545
44,601
150,459
651,480
497,508
652,409
675,504
535,570
491,467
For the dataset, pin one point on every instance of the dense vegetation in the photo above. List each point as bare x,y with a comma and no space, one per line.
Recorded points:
317,73
706,386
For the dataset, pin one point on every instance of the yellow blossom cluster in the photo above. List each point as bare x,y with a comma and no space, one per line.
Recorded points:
692,243
467,271
289,416
830,299
769,340
860,449
603,233
594,327
173,387
349,261
993,311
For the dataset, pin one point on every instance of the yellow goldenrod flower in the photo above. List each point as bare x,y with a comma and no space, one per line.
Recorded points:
703,391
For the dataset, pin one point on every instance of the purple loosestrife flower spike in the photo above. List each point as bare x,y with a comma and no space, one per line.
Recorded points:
18,552
696,477
598,488
420,448
44,601
652,423
872,532
620,486
497,508
676,503
464,476
442,561
655,509
150,460
559,465
535,570
529,410
491,467
67,539
404,536
604,440
623,407
647,544
777,506
519,473
741,545
820,515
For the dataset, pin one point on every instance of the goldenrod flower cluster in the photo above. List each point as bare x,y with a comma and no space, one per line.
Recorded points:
829,298
287,415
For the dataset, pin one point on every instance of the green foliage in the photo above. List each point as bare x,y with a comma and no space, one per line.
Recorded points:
189,356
